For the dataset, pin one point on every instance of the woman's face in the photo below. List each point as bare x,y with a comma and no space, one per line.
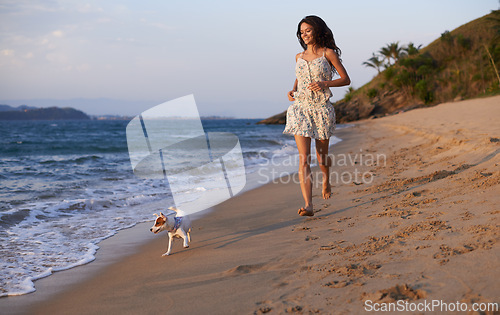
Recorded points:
307,33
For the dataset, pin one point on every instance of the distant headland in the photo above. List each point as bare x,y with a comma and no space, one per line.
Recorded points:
24,112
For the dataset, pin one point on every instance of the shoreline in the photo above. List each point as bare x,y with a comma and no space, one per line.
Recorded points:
129,240
123,243
409,231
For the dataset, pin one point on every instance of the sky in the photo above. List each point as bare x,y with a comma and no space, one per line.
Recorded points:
236,57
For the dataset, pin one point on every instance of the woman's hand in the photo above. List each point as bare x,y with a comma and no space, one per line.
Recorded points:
290,96
317,86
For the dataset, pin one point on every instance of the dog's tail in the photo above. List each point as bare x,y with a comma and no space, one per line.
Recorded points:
178,212
173,209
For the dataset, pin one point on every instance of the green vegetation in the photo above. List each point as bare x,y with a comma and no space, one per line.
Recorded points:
348,95
460,64
375,62
371,93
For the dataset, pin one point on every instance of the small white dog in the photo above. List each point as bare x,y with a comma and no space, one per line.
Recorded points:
177,226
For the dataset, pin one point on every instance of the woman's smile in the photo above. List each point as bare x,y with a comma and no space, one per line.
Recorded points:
306,32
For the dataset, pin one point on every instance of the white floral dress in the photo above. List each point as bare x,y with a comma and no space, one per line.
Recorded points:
312,114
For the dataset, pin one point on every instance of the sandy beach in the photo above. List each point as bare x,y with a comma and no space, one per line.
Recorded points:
414,216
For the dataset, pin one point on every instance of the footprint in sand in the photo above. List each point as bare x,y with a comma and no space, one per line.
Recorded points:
398,292
466,215
447,251
264,307
244,269
338,284
311,238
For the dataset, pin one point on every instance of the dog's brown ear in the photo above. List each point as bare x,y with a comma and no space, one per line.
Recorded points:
162,215
156,214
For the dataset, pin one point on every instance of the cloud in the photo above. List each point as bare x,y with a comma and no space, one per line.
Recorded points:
7,52
128,40
57,58
58,33
25,7
163,26
83,67
158,25
87,8
103,20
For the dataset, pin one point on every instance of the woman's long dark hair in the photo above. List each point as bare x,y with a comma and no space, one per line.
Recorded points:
323,36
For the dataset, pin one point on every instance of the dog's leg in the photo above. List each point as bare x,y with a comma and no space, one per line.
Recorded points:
169,244
185,237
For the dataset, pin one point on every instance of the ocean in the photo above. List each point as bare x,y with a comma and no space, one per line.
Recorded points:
67,185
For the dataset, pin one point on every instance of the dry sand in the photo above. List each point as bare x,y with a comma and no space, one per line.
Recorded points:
425,228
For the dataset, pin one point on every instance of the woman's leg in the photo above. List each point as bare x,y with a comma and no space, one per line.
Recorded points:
324,162
304,146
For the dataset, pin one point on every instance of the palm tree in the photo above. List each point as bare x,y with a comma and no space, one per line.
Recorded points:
386,53
374,62
411,49
392,51
396,51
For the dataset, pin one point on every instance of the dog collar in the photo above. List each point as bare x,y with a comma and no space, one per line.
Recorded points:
177,224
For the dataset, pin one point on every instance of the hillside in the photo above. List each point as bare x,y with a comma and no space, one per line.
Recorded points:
51,113
458,65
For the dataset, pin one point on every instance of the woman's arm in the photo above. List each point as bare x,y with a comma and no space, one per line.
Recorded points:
290,93
344,79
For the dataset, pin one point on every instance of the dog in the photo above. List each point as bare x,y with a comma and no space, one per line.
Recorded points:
177,226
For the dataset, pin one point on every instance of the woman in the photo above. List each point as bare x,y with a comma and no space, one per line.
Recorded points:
312,114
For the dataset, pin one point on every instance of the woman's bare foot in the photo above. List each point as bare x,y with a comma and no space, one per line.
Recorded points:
306,211
327,190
